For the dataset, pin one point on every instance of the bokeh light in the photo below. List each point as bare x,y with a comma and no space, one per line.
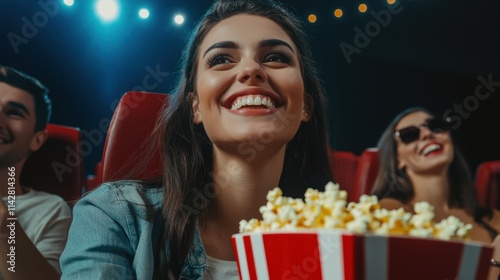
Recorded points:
69,3
312,18
179,19
338,13
144,13
107,9
363,8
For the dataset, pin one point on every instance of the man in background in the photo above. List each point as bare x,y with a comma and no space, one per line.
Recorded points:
33,224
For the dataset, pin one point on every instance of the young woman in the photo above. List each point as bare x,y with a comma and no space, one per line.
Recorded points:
420,162
248,115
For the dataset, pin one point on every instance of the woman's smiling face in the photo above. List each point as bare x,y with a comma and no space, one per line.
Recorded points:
431,152
249,83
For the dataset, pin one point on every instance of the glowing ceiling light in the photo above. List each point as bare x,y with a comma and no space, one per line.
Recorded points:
144,13
107,9
69,3
391,1
179,19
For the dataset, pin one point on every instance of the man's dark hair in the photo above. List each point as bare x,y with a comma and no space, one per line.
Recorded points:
43,105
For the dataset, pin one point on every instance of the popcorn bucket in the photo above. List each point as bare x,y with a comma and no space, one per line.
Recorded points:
330,254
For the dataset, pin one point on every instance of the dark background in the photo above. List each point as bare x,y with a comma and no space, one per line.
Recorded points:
429,53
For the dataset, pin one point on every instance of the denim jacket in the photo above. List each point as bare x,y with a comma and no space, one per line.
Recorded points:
113,233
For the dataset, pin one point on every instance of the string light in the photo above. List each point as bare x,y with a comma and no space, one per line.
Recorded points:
338,13
362,8
312,18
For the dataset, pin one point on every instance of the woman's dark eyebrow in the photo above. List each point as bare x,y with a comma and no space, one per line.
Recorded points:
262,44
19,106
222,45
273,43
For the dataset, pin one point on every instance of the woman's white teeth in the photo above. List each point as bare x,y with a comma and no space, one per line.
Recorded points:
252,101
257,100
431,148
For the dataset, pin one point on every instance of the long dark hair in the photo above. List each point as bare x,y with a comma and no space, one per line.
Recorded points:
187,151
394,183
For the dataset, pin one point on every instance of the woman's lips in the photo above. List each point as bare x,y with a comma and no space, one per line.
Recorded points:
253,111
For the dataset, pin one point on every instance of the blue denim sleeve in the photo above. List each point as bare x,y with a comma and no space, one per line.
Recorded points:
100,242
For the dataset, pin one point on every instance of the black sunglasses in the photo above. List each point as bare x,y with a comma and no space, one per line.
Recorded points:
412,133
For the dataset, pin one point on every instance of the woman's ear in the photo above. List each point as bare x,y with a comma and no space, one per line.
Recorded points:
197,118
308,109
305,116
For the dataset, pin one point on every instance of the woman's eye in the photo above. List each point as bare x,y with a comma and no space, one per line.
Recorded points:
278,57
219,59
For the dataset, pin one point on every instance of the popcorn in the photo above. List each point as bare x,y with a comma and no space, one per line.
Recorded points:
330,210
452,227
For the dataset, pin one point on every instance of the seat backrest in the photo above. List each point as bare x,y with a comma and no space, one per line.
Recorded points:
57,167
488,184
366,172
128,136
487,181
344,165
93,181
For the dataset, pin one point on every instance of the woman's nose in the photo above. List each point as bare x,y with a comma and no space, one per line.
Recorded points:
425,133
251,72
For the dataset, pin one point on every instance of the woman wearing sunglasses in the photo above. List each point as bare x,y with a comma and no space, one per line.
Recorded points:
419,162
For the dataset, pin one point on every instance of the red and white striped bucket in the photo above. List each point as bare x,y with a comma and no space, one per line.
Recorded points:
328,254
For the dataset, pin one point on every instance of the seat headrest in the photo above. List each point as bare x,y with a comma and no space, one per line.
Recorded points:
57,167
129,136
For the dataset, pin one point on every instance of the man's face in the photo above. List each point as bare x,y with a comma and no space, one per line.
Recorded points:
17,125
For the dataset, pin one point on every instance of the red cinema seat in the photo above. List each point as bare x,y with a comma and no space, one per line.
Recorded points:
93,181
366,172
127,140
57,167
488,184
344,165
